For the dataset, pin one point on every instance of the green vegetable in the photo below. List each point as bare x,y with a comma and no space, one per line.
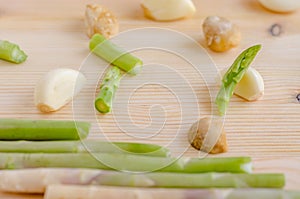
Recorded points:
11,52
196,180
123,162
82,147
233,76
115,55
17,129
108,88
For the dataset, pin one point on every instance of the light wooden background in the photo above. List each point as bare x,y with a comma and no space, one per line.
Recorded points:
52,33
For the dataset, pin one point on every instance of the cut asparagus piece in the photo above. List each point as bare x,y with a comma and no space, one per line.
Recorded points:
124,147
18,129
11,52
108,88
82,147
91,192
124,162
233,76
115,55
36,180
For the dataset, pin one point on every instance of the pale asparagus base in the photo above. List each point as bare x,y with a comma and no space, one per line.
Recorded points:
94,192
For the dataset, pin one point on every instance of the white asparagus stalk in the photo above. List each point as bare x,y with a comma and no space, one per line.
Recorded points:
36,180
95,192
57,88
168,10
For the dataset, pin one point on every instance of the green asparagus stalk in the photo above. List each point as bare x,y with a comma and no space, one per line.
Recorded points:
123,162
233,76
91,192
38,179
115,55
17,129
11,52
108,88
83,147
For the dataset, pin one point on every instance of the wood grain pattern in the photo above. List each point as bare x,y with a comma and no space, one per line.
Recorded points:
52,33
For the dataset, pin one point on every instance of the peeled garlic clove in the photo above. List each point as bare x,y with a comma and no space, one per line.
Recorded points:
281,5
57,88
251,86
168,10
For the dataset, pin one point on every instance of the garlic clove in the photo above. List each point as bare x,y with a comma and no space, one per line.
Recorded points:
168,10
251,86
281,5
57,88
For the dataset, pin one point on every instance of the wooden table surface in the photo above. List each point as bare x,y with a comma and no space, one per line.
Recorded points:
53,35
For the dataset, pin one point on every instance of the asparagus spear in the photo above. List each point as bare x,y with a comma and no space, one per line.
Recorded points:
35,180
233,76
108,88
82,147
17,129
11,52
91,192
115,55
123,162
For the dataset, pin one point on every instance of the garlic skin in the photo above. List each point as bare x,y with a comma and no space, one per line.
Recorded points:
168,10
251,86
99,19
198,133
220,33
281,5
57,88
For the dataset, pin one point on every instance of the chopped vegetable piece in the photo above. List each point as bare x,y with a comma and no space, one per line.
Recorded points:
91,192
57,88
99,19
82,147
233,76
168,10
251,86
36,180
17,129
123,162
11,52
115,55
108,88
